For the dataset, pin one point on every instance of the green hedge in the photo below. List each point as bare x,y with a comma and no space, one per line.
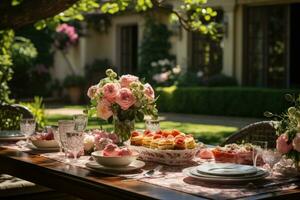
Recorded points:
227,101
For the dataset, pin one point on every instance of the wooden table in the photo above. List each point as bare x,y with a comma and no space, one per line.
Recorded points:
88,184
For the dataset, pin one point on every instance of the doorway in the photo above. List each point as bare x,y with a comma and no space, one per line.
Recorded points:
128,49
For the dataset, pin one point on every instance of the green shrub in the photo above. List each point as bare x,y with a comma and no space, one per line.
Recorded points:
230,101
38,110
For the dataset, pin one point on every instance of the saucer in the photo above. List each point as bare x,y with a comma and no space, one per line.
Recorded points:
137,164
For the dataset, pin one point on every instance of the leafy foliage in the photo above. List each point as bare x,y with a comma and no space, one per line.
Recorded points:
289,123
38,110
6,40
155,46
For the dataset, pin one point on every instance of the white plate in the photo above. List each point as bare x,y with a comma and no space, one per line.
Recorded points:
226,169
259,173
227,180
31,146
137,164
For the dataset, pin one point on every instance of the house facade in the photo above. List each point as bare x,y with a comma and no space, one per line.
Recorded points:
259,47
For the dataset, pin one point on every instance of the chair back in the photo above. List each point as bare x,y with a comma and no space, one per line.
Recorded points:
10,116
259,131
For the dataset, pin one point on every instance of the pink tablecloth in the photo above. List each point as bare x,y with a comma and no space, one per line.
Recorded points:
172,177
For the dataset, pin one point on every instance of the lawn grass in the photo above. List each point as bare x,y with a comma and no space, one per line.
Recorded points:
210,134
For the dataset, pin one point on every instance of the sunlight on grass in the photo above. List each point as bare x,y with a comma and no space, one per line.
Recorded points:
210,134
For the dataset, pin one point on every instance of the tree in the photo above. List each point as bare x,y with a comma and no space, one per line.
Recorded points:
191,14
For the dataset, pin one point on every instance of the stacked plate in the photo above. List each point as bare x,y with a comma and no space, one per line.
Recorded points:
225,173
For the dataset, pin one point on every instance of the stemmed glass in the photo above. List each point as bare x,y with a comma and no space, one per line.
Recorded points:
271,157
80,122
65,126
27,127
258,148
75,143
152,125
57,138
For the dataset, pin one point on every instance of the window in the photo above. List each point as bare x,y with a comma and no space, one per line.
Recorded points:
265,54
206,53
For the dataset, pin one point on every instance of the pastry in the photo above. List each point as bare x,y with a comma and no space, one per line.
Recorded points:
147,140
166,143
155,141
190,143
179,143
136,138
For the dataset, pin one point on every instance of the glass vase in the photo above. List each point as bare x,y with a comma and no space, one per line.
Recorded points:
123,128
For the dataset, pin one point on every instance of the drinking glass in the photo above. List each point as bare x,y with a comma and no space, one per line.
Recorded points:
80,122
27,127
152,125
258,148
55,132
75,143
65,126
271,157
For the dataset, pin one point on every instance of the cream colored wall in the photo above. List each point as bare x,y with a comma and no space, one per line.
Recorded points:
61,67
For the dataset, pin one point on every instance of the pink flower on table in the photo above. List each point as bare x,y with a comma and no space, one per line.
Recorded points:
110,91
125,98
149,91
125,80
104,109
92,91
114,137
282,144
296,142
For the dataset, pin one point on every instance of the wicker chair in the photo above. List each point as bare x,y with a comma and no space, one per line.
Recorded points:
10,116
12,187
259,131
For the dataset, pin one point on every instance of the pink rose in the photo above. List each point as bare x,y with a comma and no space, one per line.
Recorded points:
104,109
296,142
125,80
125,98
149,91
281,144
92,91
110,91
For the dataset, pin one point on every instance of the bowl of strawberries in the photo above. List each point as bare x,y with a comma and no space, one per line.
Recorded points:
114,156
44,139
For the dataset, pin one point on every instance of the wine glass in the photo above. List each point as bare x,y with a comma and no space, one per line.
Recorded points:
80,121
271,157
56,137
75,143
257,151
65,126
152,125
27,127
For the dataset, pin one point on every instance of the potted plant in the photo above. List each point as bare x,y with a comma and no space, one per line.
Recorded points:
74,85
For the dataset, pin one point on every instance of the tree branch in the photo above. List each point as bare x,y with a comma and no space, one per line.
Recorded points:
30,11
183,22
